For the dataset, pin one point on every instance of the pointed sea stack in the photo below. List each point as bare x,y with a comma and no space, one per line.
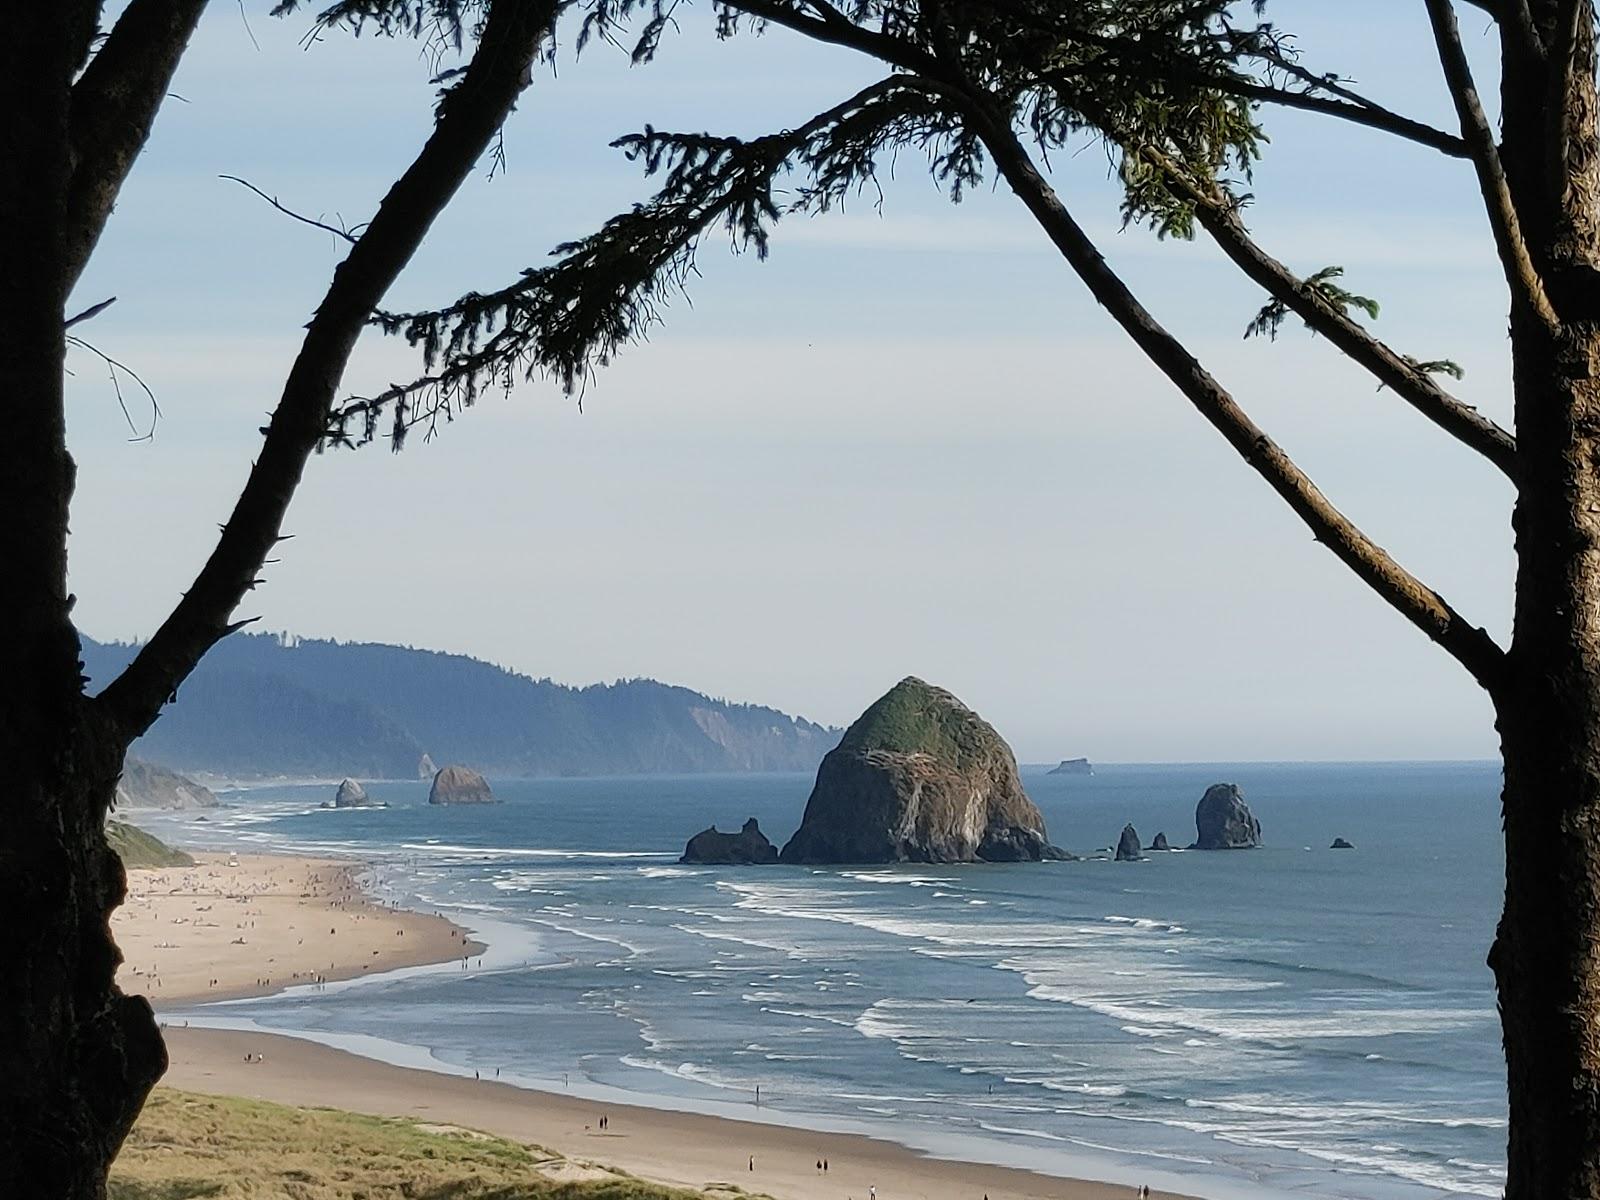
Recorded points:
748,847
1128,848
920,777
1160,842
460,785
1223,821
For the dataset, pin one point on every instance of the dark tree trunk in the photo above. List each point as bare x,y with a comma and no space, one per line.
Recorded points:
77,1058
1546,955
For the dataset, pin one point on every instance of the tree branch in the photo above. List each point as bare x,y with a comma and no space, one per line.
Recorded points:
114,105
1527,288
1469,645
337,232
469,114
1418,388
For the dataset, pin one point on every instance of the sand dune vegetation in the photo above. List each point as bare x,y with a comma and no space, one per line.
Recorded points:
187,1146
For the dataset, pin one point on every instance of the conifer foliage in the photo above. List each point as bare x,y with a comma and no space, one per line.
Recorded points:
1177,94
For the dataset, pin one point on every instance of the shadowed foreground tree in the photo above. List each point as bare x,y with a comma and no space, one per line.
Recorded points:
77,1057
1175,90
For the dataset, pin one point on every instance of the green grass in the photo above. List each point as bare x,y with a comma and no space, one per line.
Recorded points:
137,848
914,718
186,1146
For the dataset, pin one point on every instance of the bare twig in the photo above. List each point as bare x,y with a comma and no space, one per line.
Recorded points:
112,367
346,234
88,314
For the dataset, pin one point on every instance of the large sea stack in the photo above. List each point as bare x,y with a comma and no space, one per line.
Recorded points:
459,785
919,777
747,847
1223,821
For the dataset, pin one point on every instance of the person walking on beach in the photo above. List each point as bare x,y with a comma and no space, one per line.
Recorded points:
752,1162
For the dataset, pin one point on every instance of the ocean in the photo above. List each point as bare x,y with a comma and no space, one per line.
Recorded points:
1284,1021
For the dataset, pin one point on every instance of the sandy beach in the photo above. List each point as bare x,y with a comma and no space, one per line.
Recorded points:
682,1149
248,924
235,925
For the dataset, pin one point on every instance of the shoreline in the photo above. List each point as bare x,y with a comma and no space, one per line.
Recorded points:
665,1145
236,926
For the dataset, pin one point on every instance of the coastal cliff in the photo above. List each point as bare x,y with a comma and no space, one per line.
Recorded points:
919,777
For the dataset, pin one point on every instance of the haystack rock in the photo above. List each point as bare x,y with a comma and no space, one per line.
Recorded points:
747,847
1160,842
1341,844
1072,766
425,768
352,795
1223,821
459,785
920,777
1128,848
145,785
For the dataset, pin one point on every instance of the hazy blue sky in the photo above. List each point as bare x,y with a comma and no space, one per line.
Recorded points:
908,443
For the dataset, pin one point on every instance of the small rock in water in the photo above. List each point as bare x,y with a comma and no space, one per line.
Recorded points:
1340,844
747,847
1128,848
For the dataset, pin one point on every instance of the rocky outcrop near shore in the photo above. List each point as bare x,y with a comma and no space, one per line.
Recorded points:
138,849
1223,821
1160,842
460,785
146,785
748,847
1072,766
920,777
1340,844
352,795
1128,848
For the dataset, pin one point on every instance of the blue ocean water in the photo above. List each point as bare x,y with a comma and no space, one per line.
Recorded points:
1291,1020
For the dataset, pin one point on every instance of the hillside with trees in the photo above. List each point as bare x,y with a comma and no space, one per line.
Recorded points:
262,705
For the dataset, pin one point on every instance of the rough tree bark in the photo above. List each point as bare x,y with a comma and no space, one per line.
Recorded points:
1546,955
78,1058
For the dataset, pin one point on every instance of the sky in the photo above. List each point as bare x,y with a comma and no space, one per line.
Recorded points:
908,443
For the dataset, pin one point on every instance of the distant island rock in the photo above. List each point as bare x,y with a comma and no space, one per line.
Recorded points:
352,795
920,777
459,785
1341,844
146,785
1128,848
748,847
1223,821
425,768
1160,842
1072,766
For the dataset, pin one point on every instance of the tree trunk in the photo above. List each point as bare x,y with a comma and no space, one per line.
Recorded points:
77,1058
1546,954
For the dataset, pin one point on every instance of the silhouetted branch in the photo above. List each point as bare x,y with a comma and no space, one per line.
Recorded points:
348,235
469,113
